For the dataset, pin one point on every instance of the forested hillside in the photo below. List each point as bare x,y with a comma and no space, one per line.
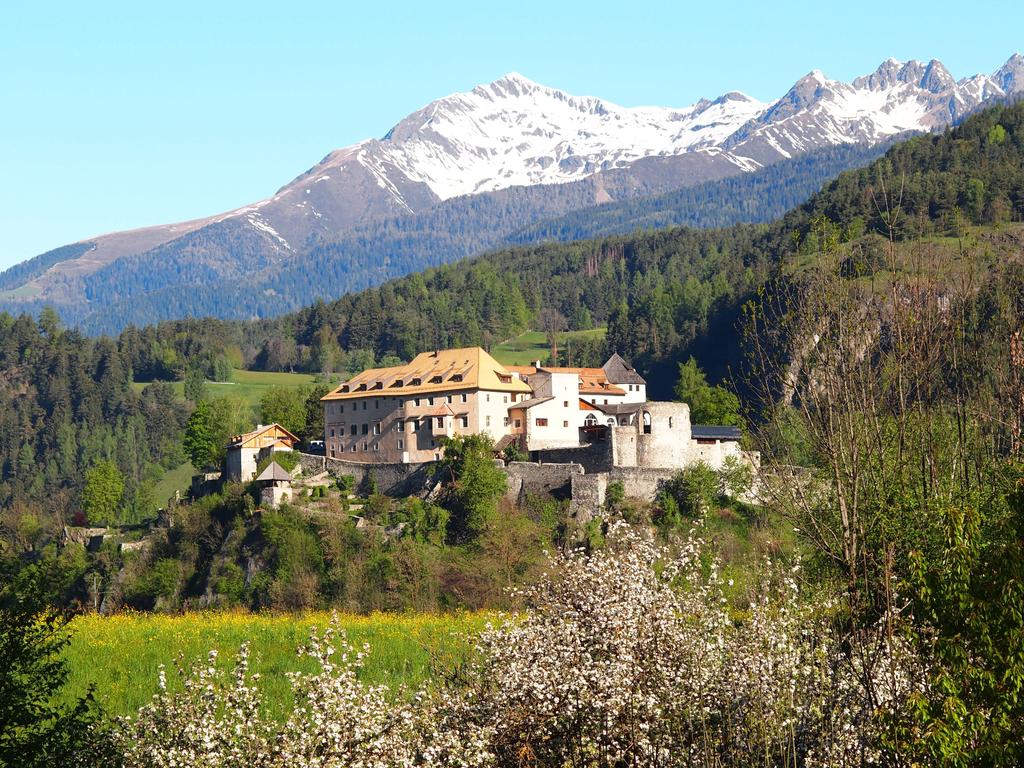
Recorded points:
750,198
66,409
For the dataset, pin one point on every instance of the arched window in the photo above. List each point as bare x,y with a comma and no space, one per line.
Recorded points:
647,423
591,420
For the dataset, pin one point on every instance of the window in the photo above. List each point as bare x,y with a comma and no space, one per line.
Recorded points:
401,445
565,403
353,447
606,401
365,428
435,380
416,402
465,422
541,422
449,399
505,423
364,405
430,401
505,399
416,425
488,421
332,453
355,429
440,422
397,427
457,377
670,422
487,397
464,397
376,446
332,433
376,428
364,445
518,423
341,408
565,423
375,405
513,397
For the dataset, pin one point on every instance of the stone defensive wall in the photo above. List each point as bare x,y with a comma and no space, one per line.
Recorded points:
527,478
396,480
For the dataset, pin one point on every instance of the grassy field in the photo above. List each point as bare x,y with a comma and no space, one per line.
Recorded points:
178,479
121,654
249,385
529,346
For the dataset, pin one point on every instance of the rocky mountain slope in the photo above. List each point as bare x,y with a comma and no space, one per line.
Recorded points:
476,167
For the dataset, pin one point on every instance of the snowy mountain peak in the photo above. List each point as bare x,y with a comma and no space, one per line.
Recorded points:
1010,76
514,131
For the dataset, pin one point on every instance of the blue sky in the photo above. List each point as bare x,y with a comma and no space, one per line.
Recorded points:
118,115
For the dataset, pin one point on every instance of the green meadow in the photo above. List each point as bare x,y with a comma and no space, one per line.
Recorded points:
121,655
533,345
248,385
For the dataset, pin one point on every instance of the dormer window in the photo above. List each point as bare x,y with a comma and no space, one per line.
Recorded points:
504,378
457,377
415,382
435,380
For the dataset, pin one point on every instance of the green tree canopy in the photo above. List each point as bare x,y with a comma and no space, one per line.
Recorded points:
473,483
285,406
200,437
708,404
102,492
36,730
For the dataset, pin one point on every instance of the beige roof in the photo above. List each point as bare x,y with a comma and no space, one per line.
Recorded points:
472,365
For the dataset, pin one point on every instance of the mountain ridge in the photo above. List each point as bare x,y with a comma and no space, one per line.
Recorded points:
512,133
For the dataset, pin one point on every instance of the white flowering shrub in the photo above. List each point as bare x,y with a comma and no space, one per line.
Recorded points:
217,720
625,657
630,657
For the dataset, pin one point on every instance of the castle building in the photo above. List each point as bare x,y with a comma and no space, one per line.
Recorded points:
399,414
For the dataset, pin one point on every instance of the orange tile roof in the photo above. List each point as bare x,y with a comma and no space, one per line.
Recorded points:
477,369
593,381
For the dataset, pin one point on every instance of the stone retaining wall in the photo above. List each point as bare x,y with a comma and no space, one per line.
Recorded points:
526,478
396,480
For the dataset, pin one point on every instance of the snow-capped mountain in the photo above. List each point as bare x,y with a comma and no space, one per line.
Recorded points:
515,132
523,151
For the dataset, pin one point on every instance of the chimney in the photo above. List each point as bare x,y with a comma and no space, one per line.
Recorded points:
536,363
